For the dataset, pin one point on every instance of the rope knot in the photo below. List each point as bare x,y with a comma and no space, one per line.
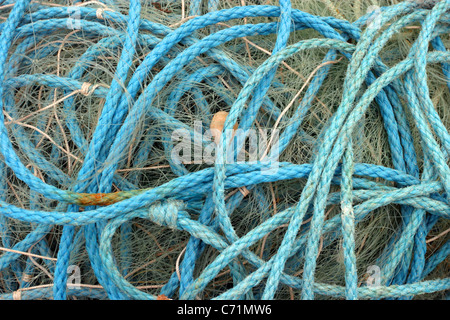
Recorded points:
85,89
17,295
99,13
88,88
166,213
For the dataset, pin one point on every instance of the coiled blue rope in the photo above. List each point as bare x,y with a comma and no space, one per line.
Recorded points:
423,197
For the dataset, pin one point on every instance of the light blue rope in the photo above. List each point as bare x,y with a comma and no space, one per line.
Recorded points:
423,198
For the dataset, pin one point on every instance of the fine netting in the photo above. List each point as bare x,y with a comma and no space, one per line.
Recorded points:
330,179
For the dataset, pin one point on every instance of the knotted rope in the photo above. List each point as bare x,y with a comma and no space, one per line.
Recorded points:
94,200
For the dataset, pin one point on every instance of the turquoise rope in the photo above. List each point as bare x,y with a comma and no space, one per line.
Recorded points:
423,197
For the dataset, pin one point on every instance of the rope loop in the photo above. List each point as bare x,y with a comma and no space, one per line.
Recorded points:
205,121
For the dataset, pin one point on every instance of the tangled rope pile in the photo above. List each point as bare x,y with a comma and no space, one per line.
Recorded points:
81,173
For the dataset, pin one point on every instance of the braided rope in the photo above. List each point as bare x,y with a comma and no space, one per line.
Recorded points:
87,200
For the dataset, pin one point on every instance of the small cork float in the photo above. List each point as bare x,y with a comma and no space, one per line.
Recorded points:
217,124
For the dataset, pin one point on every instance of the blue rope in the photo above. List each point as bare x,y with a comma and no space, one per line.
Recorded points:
131,104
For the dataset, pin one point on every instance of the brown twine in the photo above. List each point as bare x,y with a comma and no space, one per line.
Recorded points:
27,277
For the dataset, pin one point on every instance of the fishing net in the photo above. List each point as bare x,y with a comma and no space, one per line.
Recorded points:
224,149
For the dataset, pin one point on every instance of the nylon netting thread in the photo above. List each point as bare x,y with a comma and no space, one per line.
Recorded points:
92,93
